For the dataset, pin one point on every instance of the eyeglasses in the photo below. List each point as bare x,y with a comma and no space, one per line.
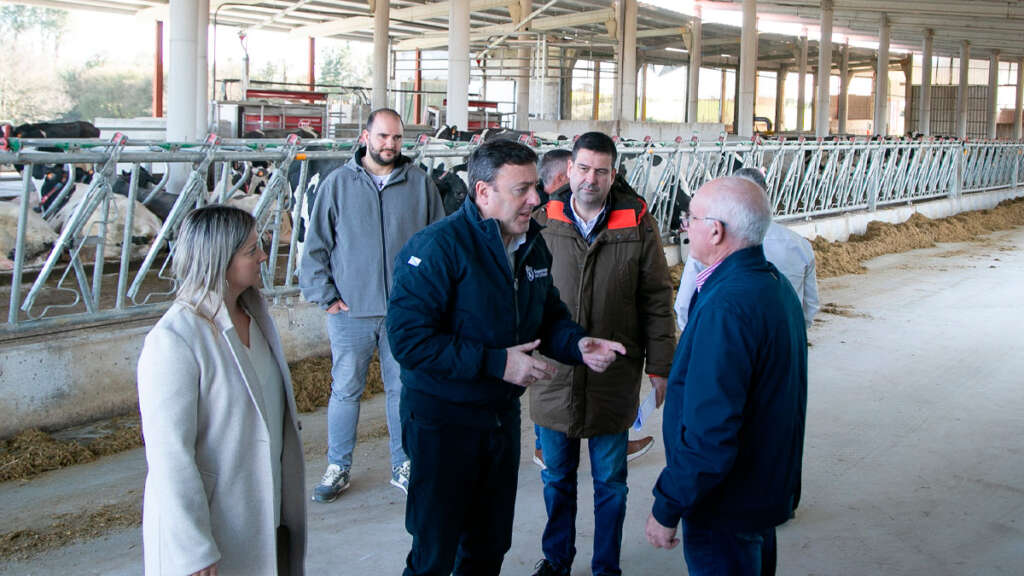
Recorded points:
685,219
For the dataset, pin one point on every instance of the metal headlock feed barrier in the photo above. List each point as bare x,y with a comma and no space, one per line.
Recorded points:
806,179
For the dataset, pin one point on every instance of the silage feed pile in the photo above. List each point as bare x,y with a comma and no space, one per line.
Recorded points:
838,258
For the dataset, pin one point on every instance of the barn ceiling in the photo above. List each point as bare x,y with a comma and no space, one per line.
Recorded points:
588,25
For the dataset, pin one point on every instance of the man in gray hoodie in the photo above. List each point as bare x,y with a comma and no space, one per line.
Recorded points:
363,215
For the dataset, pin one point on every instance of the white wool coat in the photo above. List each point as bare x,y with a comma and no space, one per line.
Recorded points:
209,490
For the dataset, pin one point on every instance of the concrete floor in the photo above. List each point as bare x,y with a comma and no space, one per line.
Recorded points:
912,464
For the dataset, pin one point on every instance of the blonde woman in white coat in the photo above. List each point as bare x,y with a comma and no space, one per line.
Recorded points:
225,488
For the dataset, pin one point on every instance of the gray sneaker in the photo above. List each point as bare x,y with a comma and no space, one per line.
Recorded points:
400,476
334,482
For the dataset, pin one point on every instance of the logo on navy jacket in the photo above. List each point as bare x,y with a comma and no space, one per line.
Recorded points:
533,273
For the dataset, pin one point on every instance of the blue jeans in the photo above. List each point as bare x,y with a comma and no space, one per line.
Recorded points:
711,552
352,343
608,467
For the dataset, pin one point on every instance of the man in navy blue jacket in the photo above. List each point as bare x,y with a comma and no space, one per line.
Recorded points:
472,299
737,395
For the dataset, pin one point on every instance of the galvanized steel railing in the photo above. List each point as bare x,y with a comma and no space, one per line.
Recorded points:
806,179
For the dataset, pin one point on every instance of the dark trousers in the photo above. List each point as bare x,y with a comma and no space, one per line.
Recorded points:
462,493
711,552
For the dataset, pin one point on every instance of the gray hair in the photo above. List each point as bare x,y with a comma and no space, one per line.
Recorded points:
754,175
743,206
207,240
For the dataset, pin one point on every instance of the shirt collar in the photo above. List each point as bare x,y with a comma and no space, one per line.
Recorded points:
586,227
704,274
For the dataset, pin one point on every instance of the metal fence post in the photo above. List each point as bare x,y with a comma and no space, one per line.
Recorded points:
19,244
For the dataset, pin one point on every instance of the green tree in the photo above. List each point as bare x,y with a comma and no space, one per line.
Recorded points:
28,92
336,67
95,91
15,19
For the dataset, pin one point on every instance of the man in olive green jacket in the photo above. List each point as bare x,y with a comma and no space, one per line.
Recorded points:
610,270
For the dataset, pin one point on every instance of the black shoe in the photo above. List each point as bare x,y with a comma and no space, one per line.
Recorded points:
545,568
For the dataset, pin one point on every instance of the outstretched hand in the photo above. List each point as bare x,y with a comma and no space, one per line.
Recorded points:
598,353
522,369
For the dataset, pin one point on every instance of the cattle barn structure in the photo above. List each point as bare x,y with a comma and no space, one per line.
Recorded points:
893,113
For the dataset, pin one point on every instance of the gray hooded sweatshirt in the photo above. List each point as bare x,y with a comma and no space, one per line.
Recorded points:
355,231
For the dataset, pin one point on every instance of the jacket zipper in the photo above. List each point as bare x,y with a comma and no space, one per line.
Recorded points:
515,281
383,244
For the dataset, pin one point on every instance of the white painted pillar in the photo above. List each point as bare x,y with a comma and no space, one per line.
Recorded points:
993,93
924,123
881,117
693,83
823,108
182,76
844,87
748,70
523,80
780,96
962,89
202,68
627,63
381,17
1017,116
458,59
801,93
908,90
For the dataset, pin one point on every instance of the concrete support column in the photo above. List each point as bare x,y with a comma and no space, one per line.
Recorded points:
844,87
523,81
801,92
881,117
747,71
908,90
962,89
568,65
814,102
780,96
721,99
181,89
823,107
643,92
202,68
458,64
693,81
1017,116
993,93
381,16
626,93
924,124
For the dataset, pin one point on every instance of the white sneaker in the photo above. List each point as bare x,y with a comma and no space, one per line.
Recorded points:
400,476
333,483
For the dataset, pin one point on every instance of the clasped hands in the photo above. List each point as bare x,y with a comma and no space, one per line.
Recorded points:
522,369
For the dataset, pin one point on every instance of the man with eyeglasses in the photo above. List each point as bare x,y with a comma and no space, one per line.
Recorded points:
736,404
790,252
610,270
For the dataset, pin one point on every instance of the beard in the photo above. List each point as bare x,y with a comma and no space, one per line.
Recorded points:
376,155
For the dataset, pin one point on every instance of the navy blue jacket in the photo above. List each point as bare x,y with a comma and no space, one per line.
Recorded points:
456,306
736,402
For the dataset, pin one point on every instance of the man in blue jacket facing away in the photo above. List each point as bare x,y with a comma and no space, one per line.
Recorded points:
472,299
737,395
